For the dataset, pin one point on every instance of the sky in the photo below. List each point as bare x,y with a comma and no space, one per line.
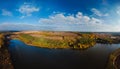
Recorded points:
60,15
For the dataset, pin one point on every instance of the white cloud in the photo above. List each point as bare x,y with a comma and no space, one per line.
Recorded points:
61,22
27,9
6,13
78,22
98,13
79,18
7,26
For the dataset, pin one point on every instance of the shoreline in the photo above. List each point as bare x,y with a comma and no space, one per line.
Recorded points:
5,57
112,59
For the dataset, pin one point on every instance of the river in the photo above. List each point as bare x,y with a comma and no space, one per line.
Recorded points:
31,57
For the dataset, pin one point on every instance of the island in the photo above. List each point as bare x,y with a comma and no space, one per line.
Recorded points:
73,40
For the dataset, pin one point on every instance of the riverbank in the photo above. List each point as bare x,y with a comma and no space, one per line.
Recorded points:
5,61
117,61
114,60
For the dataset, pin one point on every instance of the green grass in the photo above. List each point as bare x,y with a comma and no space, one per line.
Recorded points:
67,42
43,42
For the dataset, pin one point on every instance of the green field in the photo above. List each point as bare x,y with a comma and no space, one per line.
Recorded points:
75,42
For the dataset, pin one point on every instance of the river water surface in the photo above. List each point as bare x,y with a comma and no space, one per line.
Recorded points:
30,57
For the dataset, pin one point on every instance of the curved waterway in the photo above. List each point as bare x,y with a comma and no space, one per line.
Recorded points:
30,57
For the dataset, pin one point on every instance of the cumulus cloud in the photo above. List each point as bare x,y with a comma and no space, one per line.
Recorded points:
7,26
6,12
27,9
63,22
98,13
77,22
79,18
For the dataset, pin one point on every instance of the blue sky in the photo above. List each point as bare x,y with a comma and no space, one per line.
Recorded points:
60,15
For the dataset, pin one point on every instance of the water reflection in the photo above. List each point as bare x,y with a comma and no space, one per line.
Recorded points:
30,57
